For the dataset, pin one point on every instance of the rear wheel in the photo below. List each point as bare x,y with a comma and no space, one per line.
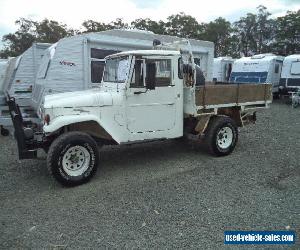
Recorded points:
221,136
73,158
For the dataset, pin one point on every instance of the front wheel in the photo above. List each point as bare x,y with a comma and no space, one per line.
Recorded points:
221,136
73,158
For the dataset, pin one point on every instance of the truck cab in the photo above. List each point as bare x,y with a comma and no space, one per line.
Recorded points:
153,94
140,98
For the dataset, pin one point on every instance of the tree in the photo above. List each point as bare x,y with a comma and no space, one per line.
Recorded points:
219,32
245,29
148,24
49,31
265,27
255,32
16,43
93,26
287,37
118,24
183,25
29,31
252,34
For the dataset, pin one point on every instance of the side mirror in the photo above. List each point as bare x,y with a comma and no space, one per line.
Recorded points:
150,75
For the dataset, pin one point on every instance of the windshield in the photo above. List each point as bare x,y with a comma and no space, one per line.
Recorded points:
116,69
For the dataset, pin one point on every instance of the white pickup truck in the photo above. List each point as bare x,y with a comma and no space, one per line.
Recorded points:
145,95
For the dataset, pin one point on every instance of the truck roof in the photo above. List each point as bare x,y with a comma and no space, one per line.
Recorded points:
146,52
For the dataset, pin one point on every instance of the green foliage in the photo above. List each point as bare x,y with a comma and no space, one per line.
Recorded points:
219,31
183,25
287,37
255,32
47,31
93,26
251,34
148,24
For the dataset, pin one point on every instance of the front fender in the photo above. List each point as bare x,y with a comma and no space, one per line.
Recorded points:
61,121
65,120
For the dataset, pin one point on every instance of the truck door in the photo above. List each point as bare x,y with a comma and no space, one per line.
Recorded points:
151,111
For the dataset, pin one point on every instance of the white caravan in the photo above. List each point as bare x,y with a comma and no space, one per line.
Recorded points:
21,80
77,62
7,74
18,81
290,75
6,68
262,68
222,68
3,67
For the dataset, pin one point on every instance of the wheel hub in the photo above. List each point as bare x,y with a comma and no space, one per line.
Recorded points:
224,137
76,160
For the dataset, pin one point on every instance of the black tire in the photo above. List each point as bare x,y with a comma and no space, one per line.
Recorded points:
214,129
4,131
276,96
61,167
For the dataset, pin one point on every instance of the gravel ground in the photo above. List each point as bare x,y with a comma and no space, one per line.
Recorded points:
159,195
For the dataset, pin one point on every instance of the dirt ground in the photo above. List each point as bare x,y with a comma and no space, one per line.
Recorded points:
159,195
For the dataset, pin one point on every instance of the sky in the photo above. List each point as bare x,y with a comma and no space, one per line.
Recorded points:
73,13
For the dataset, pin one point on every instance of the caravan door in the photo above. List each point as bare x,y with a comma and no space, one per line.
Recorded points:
276,72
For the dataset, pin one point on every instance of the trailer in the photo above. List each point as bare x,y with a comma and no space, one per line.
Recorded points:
290,75
262,68
77,62
222,68
144,95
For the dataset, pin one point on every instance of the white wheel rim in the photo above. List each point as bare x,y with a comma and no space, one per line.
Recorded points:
224,137
76,161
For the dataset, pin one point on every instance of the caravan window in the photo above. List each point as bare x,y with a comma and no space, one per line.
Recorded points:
102,53
97,68
98,63
295,69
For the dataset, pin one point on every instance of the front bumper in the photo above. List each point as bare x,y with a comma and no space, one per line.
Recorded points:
24,133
